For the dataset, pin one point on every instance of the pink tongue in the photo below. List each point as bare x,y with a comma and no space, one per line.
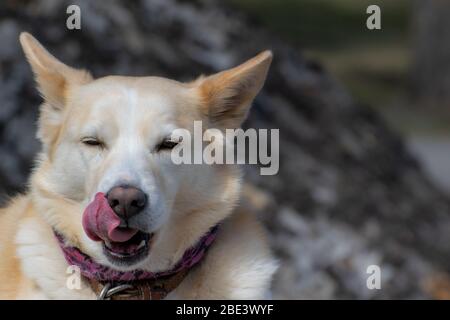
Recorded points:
101,223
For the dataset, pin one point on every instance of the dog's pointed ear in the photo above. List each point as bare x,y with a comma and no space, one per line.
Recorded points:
227,95
53,77
54,80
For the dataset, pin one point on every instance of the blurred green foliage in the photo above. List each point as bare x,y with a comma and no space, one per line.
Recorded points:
329,24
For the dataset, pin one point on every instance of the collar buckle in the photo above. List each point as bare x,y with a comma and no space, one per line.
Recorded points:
109,290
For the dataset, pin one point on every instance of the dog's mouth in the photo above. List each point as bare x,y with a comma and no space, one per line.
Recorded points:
130,251
121,245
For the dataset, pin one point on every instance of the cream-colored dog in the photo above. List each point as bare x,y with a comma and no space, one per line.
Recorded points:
110,136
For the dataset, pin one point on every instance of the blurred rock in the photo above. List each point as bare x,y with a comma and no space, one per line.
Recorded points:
348,194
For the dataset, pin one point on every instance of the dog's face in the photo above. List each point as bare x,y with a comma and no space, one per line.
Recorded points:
106,179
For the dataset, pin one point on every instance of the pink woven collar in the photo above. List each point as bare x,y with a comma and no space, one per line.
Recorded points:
92,270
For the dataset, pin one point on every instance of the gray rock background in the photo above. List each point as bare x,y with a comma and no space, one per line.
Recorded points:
348,194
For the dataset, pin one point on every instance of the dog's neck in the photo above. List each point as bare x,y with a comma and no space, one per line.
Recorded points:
93,270
136,284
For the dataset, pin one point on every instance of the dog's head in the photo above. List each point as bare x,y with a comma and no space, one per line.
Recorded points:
105,178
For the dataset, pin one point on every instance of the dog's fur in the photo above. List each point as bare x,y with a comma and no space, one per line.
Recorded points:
131,115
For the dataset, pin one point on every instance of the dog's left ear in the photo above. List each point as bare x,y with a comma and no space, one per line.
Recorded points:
227,96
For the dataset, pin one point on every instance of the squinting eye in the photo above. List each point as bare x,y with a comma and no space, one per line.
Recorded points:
92,142
167,145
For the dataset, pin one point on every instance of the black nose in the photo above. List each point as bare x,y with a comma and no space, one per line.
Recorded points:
126,201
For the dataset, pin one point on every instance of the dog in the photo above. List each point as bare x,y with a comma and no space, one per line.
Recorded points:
108,215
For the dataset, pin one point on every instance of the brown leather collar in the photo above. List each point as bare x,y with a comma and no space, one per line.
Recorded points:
154,289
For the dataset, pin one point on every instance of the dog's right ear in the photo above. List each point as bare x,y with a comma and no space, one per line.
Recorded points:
52,76
54,80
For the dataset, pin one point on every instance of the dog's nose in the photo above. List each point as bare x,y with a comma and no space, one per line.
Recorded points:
126,201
